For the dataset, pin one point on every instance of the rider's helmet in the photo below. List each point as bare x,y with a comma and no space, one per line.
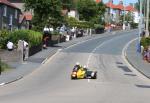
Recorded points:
84,66
77,63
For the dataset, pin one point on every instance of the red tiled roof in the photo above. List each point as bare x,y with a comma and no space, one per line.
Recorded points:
97,1
120,6
110,5
28,16
129,8
8,3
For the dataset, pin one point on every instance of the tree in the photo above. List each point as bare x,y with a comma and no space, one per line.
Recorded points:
46,12
91,11
87,9
68,4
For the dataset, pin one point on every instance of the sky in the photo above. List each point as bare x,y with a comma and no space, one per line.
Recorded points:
126,1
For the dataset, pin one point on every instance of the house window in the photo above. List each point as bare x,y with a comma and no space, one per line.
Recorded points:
10,19
16,14
5,11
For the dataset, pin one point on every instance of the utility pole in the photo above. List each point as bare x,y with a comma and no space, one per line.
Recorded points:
140,21
147,19
140,28
124,26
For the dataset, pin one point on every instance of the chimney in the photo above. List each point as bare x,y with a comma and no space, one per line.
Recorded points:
111,1
121,2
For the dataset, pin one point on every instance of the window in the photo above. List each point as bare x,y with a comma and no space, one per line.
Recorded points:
10,19
16,14
5,11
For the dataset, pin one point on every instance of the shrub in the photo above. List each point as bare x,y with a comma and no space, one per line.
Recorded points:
3,38
145,42
134,25
73,22
4,66
32,37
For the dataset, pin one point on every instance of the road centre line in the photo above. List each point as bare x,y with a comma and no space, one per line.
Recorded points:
91,54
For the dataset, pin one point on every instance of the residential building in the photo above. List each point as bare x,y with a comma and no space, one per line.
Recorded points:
73,13
9,15
26,17
116,13
18,3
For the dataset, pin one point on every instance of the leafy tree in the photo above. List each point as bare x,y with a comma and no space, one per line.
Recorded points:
68,4
87,9
91,11
44,12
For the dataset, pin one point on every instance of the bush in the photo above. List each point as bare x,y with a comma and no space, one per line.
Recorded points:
134,25
73,22
3,66
145,42
98,28
3,38
32,37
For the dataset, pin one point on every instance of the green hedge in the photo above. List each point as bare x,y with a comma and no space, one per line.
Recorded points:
73,22
32,37
3,37
4,66
145,41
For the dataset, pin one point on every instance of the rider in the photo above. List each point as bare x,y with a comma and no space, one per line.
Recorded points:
77,67
81,72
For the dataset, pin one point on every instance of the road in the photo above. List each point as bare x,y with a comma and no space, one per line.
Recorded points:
51,83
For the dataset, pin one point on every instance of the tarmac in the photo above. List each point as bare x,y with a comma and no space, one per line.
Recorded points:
21,69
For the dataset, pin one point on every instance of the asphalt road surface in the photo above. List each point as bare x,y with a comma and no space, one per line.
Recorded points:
51,83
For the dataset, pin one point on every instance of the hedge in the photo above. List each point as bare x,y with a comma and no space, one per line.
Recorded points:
3,37
145,41
32,37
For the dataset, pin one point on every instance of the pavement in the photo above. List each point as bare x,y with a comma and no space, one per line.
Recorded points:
136,60
35,61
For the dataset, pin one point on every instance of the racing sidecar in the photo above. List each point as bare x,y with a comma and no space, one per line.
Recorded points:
82,73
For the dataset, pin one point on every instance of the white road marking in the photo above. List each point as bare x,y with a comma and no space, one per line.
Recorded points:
2,84
49,59
91,54
88,80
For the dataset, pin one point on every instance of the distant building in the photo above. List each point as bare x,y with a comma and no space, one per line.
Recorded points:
114,12
9,15
73,13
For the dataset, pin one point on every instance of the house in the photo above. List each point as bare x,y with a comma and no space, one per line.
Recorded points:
73,13
18,3
25,20
9,15
114,13
26,17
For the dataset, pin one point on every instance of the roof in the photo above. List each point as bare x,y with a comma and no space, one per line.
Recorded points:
120,6
129,8
25,16
110,5
8,3
97,1
28,16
